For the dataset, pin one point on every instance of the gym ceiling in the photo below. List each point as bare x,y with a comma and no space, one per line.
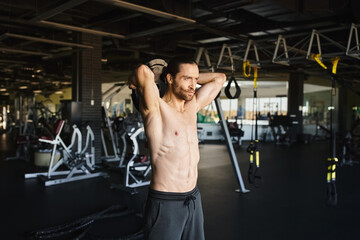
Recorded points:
38,37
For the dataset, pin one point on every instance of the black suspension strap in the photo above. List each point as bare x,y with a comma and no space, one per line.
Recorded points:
257,154
237,87
253,148
332,161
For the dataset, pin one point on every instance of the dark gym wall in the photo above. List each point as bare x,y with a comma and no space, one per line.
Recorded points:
90,88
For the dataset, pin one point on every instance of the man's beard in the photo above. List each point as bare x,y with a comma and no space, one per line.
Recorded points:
182,94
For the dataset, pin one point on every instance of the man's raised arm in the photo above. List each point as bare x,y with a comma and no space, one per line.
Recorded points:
143,80
211,85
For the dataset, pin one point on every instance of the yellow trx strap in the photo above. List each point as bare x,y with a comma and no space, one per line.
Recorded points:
334,62
255,77
246,68
257,155
317,57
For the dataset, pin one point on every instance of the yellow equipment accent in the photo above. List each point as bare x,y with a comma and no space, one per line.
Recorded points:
334,62
251,157
257,159
255,77
247,66
317,57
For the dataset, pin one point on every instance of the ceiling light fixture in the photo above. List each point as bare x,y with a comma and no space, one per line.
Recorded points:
23,87
212,40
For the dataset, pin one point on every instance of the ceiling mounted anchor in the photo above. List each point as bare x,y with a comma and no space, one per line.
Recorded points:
230,56
277,59
257,61
353,51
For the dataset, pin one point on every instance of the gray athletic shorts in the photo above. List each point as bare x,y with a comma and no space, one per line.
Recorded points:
174,216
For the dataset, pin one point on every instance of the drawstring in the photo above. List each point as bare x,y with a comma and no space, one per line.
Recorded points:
188,199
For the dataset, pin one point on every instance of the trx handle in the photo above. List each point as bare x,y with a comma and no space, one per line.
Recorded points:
251,172
331,172
335,62
317,58
331,179
247,68
237,87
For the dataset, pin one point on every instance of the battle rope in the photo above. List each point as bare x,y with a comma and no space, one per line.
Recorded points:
78,228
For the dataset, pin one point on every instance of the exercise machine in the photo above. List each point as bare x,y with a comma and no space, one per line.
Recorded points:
113,128
351,143
80,161
281,128
26,120
136,167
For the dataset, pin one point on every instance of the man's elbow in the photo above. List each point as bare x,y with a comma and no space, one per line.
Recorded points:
221,78
144,74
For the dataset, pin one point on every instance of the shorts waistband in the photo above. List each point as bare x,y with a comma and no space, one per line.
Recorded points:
172,195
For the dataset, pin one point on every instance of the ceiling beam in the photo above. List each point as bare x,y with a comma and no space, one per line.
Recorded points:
55,11
154,30
44,40
147,10
12,50
81,29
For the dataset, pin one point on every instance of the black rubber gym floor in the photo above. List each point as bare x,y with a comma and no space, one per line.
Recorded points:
290,204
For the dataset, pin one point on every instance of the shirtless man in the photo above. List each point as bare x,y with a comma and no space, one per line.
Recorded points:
173,210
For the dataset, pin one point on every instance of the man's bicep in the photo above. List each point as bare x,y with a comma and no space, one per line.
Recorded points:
206,94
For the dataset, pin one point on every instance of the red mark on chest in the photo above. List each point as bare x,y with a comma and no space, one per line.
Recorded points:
176,133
